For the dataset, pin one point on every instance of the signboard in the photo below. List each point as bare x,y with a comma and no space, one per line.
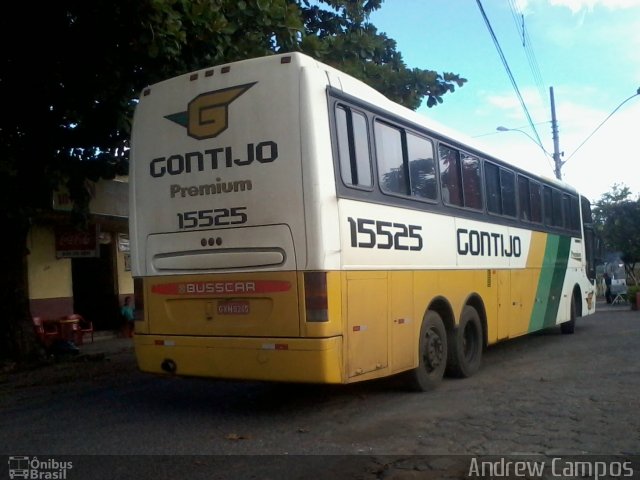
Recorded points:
108,197
72,243
123,242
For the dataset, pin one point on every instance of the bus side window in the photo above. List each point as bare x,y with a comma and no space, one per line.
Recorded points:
450,178
556,199
548,206
585,206
422,173
575,214
508,192
524,196
393,178
492,187
471,181
353,147
566,211
536,201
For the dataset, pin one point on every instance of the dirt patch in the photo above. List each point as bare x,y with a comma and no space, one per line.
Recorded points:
65,373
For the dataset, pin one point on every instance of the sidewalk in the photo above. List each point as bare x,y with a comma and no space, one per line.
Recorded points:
603,306
107,343
109,360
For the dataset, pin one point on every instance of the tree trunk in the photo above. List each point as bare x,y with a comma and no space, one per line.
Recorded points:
18,341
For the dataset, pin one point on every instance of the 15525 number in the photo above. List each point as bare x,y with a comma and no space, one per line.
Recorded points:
216,217
367,233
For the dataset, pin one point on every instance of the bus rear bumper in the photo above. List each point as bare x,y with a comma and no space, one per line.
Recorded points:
310,360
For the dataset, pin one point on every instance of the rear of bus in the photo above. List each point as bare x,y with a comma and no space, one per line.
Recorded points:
218,195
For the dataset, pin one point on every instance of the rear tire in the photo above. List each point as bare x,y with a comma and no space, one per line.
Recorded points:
465,345
567,328
432,354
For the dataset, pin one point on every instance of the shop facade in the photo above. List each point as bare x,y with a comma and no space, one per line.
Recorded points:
82,271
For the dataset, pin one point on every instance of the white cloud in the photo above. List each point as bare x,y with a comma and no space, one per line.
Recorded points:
509,101
595,159
608,156
578,5
507,106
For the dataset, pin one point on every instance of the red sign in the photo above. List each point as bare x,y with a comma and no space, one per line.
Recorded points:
72,243
229,287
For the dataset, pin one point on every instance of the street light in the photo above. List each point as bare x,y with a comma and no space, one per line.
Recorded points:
554,130
557,163
505,129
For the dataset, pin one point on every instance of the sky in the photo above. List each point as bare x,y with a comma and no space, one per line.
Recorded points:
587,50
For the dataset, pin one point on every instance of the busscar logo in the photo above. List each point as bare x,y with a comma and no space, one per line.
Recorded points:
207,115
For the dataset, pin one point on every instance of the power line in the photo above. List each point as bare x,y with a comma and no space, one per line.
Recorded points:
508,70
601,124
527,45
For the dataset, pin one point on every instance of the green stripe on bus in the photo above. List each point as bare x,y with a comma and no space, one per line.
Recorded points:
549,291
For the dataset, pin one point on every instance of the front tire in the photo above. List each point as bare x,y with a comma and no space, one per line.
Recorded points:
567,328
465,345
432,354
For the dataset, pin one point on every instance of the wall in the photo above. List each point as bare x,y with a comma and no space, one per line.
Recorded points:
50,287
125,280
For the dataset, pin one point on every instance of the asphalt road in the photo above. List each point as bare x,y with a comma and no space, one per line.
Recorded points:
539,396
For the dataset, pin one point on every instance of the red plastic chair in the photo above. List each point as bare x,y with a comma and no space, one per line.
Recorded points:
46,331
82,327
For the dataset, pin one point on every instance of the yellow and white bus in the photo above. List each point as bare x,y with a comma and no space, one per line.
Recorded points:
290,223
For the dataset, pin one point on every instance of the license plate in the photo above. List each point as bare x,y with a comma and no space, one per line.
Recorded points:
233,308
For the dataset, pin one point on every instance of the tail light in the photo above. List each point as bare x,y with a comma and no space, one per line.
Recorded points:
138,297
315,296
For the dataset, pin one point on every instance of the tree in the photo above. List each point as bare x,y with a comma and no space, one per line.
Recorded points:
69,92
617,218
601,210
342,38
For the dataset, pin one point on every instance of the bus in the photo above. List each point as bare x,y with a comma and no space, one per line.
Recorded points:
291,224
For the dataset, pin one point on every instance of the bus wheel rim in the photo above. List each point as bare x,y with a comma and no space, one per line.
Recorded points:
434,354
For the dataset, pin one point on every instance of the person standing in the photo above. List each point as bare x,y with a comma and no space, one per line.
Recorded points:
607,287
128,314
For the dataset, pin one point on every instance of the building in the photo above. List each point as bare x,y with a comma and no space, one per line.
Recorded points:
85,272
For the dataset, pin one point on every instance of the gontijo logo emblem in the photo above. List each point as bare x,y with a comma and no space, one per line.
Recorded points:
207,115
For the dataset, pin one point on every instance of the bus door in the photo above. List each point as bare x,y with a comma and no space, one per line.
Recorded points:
515,301
402,321
522,299
504,303
367,331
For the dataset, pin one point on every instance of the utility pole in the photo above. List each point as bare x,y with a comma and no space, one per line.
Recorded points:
556,141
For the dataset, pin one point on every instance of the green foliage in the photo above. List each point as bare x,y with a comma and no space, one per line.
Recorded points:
342,37
69,91
617,217
73,85
632,295
619,193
